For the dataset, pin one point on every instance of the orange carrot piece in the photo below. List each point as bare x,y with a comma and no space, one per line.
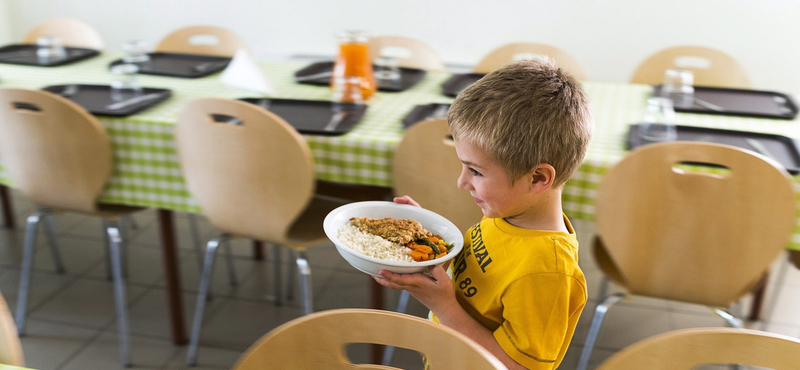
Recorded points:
419,256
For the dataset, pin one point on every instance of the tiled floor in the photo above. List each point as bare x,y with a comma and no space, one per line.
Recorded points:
71,318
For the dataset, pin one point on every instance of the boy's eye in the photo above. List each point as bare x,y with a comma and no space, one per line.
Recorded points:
474,173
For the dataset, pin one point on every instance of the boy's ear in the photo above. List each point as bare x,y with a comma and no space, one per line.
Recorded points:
542,177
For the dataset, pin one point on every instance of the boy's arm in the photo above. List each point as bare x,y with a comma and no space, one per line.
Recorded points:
438,295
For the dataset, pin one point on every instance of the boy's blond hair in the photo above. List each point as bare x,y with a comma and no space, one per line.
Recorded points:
525,114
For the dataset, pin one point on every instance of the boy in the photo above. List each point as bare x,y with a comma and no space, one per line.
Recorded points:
516,288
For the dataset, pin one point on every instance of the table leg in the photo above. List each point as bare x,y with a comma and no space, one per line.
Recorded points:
171,268
376,302
8,210
758,298
258,250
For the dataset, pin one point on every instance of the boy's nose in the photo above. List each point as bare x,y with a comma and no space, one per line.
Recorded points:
462,182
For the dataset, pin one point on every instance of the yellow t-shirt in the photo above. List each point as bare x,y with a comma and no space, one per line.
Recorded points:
523,285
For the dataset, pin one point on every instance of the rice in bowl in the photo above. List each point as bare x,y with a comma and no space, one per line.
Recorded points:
372,245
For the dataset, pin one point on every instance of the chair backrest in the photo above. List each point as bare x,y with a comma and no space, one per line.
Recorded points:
425,166
318,341
689,348
514,52
202,40
710,67
253,178
10,347
706,238
55,152
72,32
410,53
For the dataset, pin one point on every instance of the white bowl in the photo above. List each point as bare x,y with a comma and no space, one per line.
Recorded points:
431,221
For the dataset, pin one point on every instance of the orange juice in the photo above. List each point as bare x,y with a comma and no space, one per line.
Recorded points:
354,61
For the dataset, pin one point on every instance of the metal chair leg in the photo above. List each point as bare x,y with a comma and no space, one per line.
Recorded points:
276,255
732,321
107,240
402,305
115,245
25,273
304,273
597,320
50,233
205,282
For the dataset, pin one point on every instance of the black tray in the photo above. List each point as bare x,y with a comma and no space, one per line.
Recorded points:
425,111
313,116
180,65
738,102
26,54
457,83
319,73
781,148
97,99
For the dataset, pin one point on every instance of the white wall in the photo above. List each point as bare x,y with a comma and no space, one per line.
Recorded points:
5,23
608,37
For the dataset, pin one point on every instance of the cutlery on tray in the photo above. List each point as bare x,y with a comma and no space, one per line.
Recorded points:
708,105
759,148
202,67
133,101
337,118
69,90
315,76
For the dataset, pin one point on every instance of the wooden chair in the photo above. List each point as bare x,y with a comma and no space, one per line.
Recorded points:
60,157
72,32
410,53
710,67
253,175
688,349
427,148
525,50
202,40
318,342
673,233
10,347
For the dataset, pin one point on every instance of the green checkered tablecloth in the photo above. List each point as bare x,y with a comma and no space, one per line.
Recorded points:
147,171
146,166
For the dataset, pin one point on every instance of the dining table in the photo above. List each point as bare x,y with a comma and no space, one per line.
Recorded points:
147,173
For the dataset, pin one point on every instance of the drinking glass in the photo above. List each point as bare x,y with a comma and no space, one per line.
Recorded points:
124,84
135,51
347,89
354,61
387,71
659,122
50,47
678,87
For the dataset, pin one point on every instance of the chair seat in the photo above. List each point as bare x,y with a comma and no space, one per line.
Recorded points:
307,230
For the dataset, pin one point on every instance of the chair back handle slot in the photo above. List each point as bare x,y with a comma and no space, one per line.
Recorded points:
226,119
18,105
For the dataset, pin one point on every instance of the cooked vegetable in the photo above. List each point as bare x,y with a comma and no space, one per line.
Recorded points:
428,249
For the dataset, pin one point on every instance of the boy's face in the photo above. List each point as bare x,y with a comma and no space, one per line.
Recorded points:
489,184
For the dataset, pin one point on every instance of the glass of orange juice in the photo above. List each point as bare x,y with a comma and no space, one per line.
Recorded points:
354,61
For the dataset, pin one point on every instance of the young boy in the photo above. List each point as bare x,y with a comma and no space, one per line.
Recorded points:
516,288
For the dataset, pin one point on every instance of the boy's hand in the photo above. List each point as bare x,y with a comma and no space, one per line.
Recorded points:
436,292
405,199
